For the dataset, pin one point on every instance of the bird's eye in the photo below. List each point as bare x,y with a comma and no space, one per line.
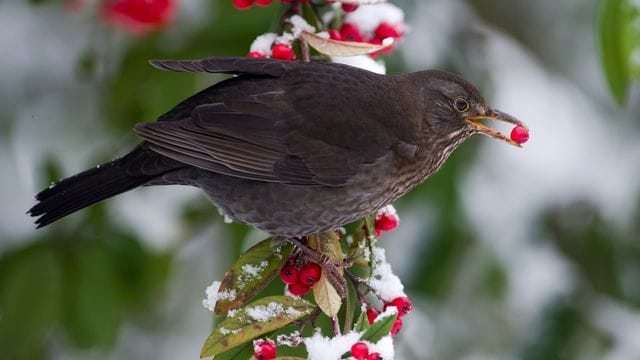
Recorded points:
460,104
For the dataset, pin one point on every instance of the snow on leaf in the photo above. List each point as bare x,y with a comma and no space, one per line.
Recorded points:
383,280
342,48
255,319
252,272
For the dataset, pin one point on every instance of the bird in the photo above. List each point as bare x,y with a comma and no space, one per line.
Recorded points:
291,148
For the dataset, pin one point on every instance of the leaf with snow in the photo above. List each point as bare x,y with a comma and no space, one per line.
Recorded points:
380,328
255,319
342,48
253,271
327,297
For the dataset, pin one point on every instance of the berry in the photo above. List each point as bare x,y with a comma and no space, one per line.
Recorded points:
374,356
372,314
289,274
139,16
349,7
256,54
397,326
298,289
263,2
282,52
242,4
310,274
264,350
350,32
402,303
335,35
386,30
520,134
385,222
359,351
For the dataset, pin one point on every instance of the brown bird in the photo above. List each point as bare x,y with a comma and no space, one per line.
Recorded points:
291,148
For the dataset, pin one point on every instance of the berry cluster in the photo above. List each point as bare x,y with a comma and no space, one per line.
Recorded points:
280,51
300,280
404,306
384,30
360,351
139,16
264,350
386,220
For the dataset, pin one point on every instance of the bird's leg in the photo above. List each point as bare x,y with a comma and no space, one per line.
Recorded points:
330,267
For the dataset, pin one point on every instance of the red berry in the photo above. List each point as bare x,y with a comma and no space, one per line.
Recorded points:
335,34
385,222
139,16
242,4
372,314
264,350
359,351
256,54
520,134
374,356
386,30
396,326
402,303
289,273
350,32
298,289
263,2
349,7
282,52
310,274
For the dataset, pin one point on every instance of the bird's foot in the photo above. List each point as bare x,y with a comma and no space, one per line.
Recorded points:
331,268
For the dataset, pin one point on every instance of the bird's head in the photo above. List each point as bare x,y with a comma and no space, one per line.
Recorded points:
455,109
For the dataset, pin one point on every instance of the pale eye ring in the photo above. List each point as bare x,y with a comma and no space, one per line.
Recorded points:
461,104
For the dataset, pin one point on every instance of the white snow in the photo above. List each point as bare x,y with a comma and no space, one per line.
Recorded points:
300,25
367,18
285,38
263,43
249,272
323,348
363,62
265,312
384,347
383,280
213,295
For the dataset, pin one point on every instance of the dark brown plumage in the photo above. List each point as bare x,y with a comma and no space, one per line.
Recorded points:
291,148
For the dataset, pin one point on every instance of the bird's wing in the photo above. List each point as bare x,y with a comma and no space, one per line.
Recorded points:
250,138
228,65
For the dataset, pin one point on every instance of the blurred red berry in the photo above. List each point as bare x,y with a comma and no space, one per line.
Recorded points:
256,54
350,32
335,34
349,7
372,314
139,16
289,273
282,52
298,289
397,326
386,222
242,4
385,30
374,356
264,350
263,2
359,351
402,303
310,274
520,134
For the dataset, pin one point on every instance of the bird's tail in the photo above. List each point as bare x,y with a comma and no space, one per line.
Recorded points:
81,190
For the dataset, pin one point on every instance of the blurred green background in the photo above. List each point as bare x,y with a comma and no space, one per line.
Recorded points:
507,253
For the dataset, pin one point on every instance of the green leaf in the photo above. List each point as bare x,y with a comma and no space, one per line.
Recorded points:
379,329
242,352
619,38
362,323
257,318
253,271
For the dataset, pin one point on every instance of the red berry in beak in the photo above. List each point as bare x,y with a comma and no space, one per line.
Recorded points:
520,134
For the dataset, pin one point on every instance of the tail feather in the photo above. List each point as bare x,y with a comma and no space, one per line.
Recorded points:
81,190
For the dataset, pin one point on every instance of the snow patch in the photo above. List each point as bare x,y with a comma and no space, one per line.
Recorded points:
367,18
324,348
264,313
363,62
262,44
213,295
383,280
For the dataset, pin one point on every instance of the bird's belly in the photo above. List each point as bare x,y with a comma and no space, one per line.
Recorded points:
292,210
